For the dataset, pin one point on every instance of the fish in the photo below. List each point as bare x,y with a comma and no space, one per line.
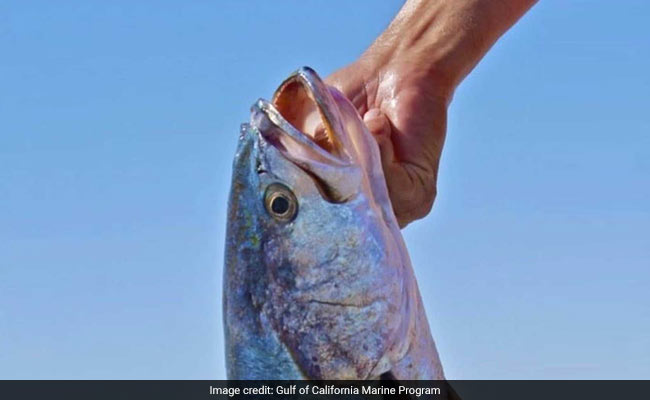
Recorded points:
318,283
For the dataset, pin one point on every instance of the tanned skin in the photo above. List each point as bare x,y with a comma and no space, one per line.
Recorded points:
403,83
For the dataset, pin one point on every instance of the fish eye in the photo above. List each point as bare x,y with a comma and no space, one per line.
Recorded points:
280,202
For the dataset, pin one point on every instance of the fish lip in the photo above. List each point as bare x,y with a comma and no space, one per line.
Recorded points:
265,117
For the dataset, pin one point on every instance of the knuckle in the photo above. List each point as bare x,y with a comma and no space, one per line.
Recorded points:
417,206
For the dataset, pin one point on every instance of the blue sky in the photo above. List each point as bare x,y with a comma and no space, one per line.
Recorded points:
118,123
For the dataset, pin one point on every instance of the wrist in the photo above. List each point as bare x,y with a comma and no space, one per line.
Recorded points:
441,41
425,45
430,72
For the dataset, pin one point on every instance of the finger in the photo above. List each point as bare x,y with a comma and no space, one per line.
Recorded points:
380,127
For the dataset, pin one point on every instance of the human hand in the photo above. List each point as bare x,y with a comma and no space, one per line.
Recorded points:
407,117
403,83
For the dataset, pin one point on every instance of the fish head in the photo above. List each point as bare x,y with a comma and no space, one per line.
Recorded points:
315,278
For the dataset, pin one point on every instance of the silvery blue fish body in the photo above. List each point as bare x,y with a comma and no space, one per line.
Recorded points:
317,283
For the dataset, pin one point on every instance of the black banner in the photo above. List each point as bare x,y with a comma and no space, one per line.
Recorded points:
321,390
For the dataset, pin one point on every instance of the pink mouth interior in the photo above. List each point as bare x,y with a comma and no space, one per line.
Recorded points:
296,104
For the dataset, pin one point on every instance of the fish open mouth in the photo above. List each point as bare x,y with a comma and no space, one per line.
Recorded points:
304,123
305,102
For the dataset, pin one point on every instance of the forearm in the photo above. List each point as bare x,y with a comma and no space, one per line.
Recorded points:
446,38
